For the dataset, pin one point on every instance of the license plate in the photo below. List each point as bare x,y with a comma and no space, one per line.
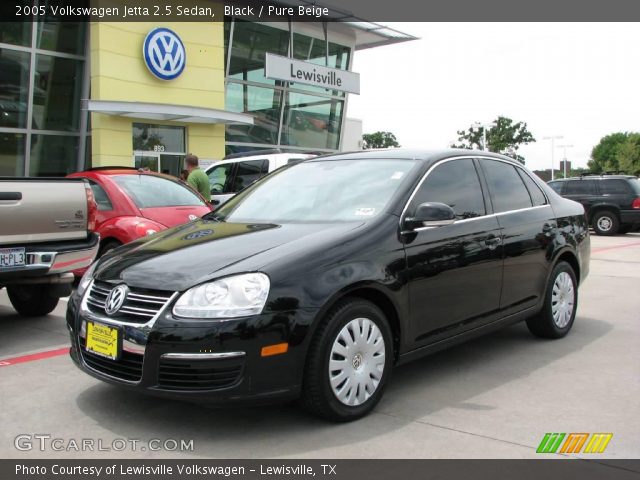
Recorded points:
12,257
102,340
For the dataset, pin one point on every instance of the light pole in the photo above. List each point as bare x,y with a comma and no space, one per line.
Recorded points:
484,134
564,155
553,138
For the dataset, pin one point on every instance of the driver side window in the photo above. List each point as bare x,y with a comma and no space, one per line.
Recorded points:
454,183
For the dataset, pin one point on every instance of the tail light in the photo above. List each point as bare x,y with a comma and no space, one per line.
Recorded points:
636,203
92,208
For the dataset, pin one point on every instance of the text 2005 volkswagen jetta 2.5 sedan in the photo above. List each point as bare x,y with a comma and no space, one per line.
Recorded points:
318,279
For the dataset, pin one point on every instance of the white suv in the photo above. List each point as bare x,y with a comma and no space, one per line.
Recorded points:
229,176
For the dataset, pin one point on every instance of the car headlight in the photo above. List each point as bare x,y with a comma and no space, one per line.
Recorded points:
230,297
86,279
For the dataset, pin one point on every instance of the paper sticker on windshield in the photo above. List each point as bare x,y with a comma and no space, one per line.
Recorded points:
365,212
397,175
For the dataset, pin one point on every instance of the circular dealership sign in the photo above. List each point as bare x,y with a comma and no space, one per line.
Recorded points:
164,53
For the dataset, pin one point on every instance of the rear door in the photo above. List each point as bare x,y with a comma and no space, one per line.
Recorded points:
528,225
616,191
455,271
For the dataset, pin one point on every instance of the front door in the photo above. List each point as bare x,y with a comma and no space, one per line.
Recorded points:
168,163
455,271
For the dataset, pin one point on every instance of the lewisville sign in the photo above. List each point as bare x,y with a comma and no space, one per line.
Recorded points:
287,69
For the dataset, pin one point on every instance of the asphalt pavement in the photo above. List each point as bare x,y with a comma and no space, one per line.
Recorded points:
494,397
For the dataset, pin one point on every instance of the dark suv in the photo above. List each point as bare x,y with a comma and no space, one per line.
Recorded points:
611,202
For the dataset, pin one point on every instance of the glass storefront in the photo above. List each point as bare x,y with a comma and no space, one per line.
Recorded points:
42,67
289,115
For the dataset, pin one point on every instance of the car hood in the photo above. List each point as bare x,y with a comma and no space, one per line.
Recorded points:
187,255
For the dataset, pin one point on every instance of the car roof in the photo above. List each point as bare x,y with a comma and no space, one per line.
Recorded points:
427,156
263,156
596,177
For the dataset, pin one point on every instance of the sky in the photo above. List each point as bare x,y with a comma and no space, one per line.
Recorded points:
577,80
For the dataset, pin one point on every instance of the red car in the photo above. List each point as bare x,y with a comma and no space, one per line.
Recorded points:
133,203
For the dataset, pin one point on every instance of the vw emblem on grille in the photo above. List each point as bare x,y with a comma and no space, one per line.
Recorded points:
164,53
192,217
115,299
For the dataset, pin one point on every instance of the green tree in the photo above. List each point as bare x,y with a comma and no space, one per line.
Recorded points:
503,136
604,156
379,140
629,154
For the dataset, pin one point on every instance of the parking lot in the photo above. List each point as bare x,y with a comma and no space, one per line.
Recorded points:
494,397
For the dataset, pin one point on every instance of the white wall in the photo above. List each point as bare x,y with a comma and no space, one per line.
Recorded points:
352,135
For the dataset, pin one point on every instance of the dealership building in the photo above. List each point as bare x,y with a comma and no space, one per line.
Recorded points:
75,95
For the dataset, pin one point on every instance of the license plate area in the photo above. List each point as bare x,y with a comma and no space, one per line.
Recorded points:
103,340
12,258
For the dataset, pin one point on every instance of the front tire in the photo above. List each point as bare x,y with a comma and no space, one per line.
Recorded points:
350,361
560,304
32,300
606,223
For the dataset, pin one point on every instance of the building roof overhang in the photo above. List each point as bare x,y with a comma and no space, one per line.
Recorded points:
166,112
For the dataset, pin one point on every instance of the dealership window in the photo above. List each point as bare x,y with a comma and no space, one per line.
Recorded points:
250,43
53,155
263,103
11,154
454,183
61,36
49,142
16,33
311,121
289,115
166,138
56,93
14,88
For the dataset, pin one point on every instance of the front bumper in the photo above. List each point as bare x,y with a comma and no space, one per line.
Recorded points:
217,361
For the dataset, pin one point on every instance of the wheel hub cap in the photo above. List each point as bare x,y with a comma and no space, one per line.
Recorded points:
604,223
356,362
563,299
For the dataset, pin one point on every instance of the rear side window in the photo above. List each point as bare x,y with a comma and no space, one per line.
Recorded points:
537,197
556,186
454,183
634,183
148,191
508,192
613,187
101,197
248,172
580,187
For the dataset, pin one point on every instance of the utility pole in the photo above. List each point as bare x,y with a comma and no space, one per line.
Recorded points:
553,138
564,155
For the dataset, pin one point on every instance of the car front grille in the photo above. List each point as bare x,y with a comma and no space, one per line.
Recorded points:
140,306
128,367
209,374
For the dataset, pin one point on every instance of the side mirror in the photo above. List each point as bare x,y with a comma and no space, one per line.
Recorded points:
431,214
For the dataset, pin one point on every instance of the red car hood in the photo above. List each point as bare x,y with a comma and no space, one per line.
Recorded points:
173,216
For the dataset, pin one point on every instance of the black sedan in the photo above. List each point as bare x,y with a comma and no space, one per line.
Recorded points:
318,279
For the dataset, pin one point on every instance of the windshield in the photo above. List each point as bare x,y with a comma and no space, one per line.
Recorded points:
319,191
148,191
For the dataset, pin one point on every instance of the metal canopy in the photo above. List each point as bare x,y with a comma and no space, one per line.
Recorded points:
164,112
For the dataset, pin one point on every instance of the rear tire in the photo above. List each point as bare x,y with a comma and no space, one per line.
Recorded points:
606,223
560,304
349,362
32,300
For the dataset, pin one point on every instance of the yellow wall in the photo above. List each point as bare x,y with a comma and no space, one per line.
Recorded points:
118,72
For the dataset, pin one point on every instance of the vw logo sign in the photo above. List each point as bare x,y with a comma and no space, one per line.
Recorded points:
164,53
115,299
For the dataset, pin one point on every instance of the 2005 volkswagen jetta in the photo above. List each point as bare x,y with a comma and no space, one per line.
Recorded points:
318,279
